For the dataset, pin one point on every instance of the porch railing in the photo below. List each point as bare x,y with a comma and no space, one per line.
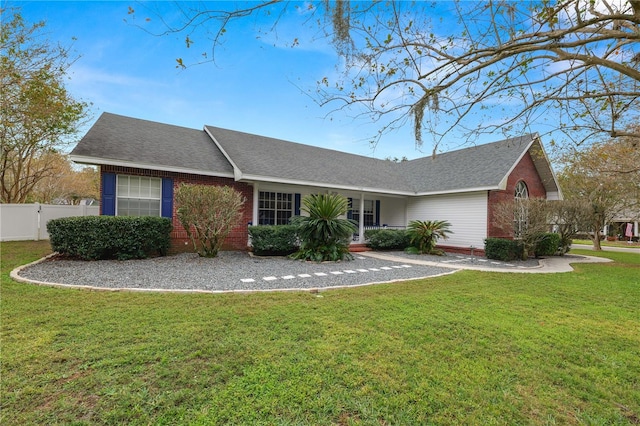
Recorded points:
356,236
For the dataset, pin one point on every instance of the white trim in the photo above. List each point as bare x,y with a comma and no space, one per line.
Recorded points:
275,209
503,182
118,196
237,173
256,203
361,220
459,191
328,186
123,163
553,173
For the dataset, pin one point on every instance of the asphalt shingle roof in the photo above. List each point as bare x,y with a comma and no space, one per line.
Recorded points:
146,143
481,166
260,156
119,138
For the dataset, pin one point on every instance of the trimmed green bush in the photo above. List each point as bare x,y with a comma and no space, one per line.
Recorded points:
503,249
547,245
274,240
109,237
387,239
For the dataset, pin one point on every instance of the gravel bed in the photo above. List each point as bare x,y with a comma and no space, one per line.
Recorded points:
229,271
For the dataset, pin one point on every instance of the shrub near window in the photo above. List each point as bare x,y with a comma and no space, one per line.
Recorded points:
277,240
108,237
387,239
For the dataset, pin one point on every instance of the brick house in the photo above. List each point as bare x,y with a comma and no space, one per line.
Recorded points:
142,162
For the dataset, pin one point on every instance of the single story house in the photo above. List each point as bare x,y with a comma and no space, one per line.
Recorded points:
142,162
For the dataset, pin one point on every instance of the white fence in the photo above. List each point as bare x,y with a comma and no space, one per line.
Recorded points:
29,221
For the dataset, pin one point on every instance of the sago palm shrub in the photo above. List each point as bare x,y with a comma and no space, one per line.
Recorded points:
324,235
424,234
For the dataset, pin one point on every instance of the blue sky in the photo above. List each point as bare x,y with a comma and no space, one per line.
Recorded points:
256,85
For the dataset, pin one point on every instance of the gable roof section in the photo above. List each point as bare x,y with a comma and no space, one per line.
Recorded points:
480,167
266,159
130,142
546,173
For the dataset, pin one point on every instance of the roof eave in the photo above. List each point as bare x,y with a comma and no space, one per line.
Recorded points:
503,182
554,185
271,179
81,159
457,191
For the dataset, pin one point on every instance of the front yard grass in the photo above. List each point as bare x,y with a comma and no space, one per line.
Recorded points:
605,243
467,348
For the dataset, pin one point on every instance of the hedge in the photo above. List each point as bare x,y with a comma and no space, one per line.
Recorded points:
387,239
274,240
109,237
547,245
503,249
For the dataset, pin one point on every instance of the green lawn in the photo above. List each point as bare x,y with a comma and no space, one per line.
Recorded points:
605,243
467,348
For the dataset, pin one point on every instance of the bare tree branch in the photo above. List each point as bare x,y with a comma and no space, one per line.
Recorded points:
490,66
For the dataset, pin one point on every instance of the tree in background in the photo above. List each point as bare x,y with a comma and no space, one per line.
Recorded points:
568,218
606,175
64,184
461,68
208,213
38,114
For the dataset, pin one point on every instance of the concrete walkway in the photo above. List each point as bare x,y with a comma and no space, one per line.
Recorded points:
549,265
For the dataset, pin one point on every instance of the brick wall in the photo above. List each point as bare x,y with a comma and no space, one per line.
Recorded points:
237,239
525,171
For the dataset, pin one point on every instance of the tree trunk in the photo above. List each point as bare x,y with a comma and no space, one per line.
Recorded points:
596,240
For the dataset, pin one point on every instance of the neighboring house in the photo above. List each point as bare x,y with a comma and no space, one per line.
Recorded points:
142,162
625,226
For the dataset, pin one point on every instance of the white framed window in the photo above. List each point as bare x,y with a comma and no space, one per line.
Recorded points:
368,213
521,213
138,196
274,208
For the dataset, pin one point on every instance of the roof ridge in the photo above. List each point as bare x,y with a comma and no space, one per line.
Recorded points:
528,137
271,138
150,121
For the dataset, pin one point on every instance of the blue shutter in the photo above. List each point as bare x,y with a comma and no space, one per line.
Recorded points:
166,206
108,196
296,204
377,213
350,211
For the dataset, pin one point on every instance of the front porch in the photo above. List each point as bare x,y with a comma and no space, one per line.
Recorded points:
359,244
355,239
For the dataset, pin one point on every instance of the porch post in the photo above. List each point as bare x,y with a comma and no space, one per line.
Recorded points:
361,224
256,193
254,213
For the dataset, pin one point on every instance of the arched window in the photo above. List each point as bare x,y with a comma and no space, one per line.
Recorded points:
521,213
522,193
